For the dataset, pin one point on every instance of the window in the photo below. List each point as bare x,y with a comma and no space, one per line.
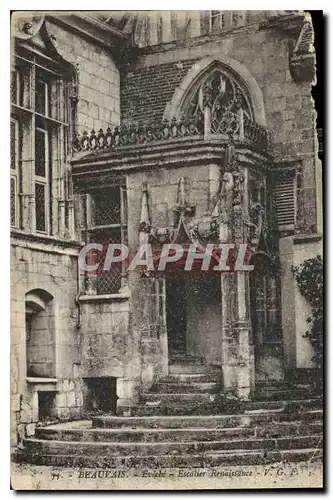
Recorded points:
223,95
40,110
217,20
109,225
14,173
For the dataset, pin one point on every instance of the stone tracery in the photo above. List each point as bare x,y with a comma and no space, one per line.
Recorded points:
223,95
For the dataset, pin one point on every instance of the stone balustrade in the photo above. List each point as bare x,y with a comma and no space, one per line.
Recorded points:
253,135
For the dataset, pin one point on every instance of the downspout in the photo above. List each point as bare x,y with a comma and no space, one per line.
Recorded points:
77,297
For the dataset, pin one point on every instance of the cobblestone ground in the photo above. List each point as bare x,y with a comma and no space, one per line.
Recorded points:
278,475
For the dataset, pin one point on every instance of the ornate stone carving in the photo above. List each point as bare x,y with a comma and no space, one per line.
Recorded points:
145,221
183,207
255,224
162,234
28,28
205,229
222,94
25,25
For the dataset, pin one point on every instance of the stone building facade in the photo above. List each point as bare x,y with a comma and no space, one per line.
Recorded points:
178,127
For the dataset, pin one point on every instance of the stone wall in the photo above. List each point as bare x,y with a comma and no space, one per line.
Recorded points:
163,189
51,265
53,269
106,346
99,100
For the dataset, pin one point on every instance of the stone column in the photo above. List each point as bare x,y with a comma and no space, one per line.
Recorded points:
228,343
90,279
246,370
71,223
237,345
125,393
61,219
207,101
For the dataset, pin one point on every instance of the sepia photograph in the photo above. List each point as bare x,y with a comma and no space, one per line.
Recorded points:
166,247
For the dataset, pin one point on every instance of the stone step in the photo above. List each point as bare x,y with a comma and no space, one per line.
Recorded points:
191,378
183,387
193,368
92,448
286,394
290,405
184,399
210,404
281,384
172,408
206,421
60,433
208,460
185,359
179,399
144,435
295,428
243,457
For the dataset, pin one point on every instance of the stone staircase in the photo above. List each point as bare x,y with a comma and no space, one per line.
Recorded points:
182,422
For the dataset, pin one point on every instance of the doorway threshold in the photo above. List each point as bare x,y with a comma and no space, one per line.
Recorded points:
185,359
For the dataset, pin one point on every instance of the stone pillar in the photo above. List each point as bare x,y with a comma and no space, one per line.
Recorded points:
62,225
71,223
125,393
228,354
246,369
31,212
237,346
207,102
240,114
90,279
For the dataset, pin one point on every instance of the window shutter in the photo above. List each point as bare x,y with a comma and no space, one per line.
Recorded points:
284,192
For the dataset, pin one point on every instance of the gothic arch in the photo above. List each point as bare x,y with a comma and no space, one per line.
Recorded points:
174,106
